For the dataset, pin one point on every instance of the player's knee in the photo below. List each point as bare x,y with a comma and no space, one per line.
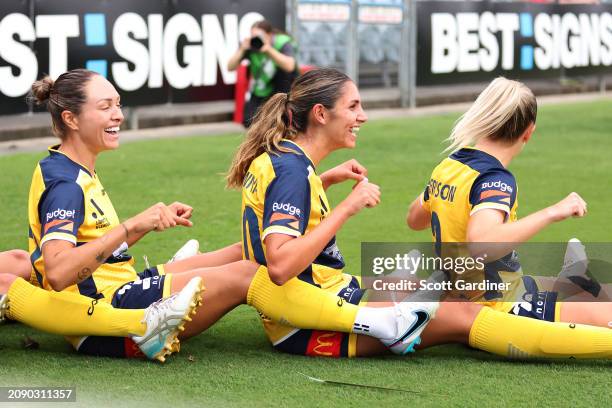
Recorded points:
247,270
18,263
460,315
24,268
6,280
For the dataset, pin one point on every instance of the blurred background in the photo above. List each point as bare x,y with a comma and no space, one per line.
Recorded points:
169,58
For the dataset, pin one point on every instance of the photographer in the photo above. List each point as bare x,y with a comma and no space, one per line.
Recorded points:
272,64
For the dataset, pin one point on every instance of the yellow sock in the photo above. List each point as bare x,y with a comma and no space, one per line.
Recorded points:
521,337
299,304
70,314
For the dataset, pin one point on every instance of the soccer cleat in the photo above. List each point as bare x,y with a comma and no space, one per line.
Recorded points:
575,267
4,306
188,250
412,318
575,261
166,318
410,271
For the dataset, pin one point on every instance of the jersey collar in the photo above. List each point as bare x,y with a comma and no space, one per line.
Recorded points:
487,156
299,150
54,151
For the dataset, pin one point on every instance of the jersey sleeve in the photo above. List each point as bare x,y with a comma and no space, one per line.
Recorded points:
287,205
61,211
495,189
424,198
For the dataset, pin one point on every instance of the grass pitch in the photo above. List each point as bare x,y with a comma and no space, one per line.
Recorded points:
232,363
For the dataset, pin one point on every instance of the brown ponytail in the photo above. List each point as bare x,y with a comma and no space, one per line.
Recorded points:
270,125
283,116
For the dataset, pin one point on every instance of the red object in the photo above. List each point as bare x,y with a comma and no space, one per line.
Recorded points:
324,344
131,349
240,90
306,68
242,86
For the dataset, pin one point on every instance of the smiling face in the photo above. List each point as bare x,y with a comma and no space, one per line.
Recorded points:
101,116
345,119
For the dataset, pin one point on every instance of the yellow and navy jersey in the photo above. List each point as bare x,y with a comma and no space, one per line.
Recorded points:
468,181
282,194
68,202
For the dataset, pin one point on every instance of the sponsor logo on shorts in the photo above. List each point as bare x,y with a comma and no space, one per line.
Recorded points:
324,343
287,208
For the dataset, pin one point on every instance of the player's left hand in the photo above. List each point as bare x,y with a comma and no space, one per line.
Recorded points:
182,213
349,170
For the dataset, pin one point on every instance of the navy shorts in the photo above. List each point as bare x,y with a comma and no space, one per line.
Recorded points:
318,343
138,294
535,303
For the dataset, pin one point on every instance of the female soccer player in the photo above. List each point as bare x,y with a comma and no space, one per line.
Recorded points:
153,330
483,210
77,243
289,226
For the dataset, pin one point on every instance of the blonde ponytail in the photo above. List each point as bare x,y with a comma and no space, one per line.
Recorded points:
501,112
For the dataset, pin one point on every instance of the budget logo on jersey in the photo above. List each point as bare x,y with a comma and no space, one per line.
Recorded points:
60,214
499,185
287,207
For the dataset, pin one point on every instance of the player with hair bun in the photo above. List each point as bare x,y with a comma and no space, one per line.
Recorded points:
77,243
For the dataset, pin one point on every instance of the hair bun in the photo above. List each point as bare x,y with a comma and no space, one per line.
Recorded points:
41,90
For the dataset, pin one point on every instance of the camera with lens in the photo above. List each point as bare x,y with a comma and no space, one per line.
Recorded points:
256,43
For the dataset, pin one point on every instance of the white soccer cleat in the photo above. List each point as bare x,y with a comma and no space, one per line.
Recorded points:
191,248
166,318
410,270
575,261
412,318
4,306
576,266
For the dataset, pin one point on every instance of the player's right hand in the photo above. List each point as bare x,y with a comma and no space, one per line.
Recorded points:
365,194
157,217
571,206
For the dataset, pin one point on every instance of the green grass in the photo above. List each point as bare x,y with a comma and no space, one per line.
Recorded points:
233,365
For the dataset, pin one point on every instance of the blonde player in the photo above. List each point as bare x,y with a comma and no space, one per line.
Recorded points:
472,197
